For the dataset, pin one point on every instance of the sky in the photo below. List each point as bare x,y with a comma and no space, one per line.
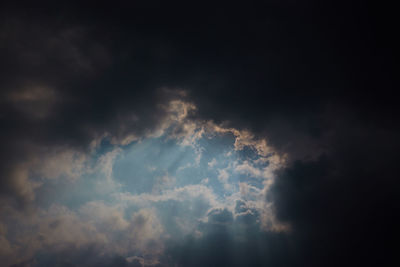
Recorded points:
160,133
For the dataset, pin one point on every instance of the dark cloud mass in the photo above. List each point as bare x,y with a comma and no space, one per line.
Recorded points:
315,79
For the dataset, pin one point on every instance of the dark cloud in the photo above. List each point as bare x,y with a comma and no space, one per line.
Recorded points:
341,205
316,79
223,245
87,256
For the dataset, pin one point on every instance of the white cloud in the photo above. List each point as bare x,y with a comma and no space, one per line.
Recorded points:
212,163
223,177
178,194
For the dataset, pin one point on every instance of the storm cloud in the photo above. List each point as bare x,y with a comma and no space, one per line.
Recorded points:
194,134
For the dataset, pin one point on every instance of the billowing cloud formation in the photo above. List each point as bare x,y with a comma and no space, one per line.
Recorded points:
138,134
131,197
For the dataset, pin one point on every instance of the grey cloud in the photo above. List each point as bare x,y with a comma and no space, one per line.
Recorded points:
317,81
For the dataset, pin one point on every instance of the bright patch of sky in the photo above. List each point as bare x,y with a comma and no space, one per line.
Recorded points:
166,185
